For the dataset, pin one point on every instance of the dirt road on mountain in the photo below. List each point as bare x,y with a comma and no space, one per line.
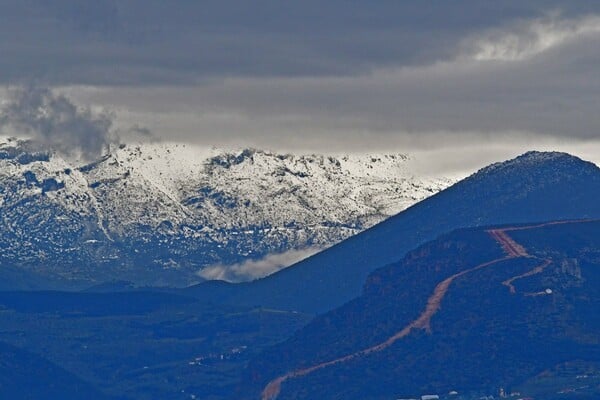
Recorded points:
512,250
510,247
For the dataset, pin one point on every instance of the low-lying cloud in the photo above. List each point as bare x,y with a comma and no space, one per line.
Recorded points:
254,269
53,121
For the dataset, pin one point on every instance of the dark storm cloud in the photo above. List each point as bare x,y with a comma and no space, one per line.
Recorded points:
53,121
144,42
535,77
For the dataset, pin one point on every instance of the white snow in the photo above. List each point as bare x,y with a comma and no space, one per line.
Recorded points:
292,201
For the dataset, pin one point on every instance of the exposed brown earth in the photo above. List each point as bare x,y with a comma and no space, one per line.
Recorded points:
512,250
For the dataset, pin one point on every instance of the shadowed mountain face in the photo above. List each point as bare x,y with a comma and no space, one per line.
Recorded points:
475,311
27,376
533,187
129,345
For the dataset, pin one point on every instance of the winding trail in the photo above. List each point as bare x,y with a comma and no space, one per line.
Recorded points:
537,270
512,250
510,247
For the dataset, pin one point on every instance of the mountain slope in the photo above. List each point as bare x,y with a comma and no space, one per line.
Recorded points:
476,310
157,213
27,376
533,187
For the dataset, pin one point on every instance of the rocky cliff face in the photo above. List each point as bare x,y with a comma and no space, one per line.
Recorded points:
157,213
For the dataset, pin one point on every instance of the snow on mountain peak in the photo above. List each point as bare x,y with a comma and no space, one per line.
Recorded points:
177,207
528,160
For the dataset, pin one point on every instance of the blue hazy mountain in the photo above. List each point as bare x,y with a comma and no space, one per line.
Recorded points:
536,186
24,375
473,311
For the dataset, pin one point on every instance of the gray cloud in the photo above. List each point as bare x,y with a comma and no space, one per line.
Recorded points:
538,82
142,132
146,42
254,269
53,121
526,39
334,76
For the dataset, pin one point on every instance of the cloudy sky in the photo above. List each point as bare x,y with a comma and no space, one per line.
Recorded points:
462,82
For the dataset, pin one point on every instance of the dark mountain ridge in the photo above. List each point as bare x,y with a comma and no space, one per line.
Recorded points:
475,311
533,187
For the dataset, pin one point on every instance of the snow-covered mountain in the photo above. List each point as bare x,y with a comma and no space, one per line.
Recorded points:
157,213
